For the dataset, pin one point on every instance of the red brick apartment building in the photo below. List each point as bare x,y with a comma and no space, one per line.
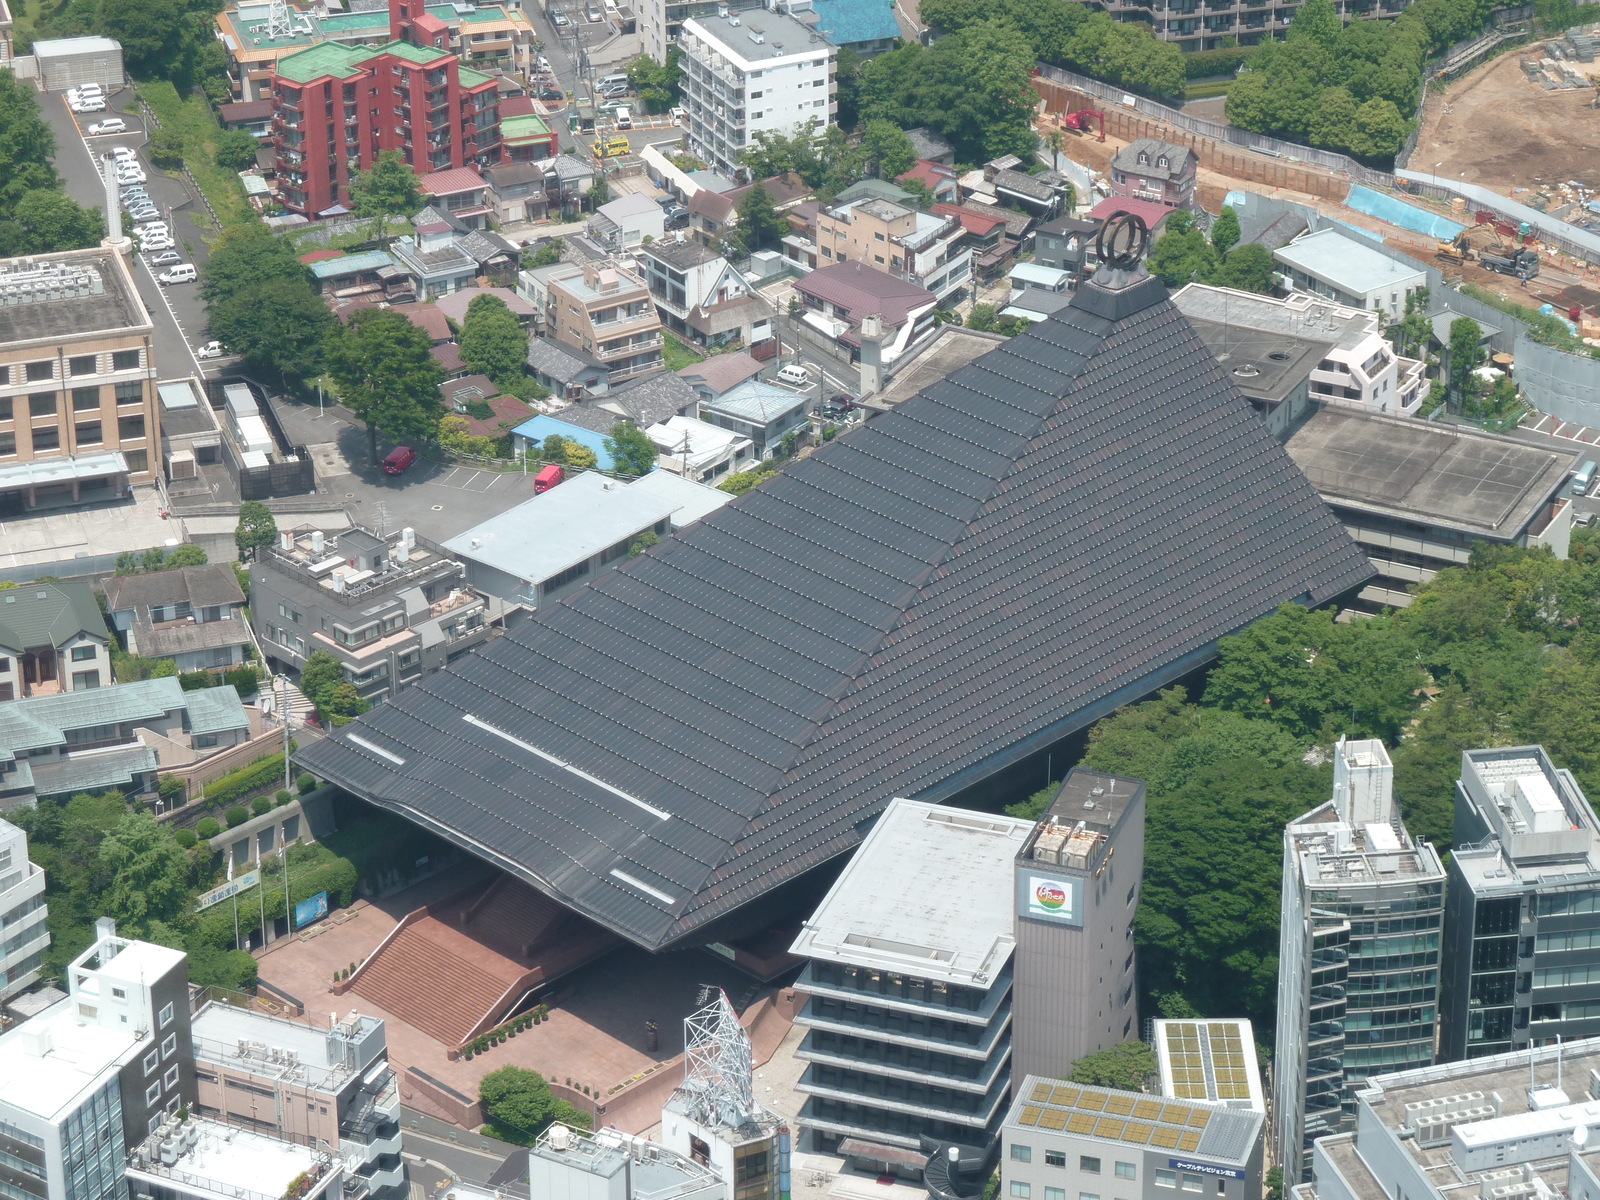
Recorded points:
337,107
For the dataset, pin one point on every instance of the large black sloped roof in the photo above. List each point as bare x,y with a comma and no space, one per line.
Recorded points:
1060,526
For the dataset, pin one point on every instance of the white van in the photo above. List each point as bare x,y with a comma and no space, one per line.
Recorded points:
794,375
182,273
624,119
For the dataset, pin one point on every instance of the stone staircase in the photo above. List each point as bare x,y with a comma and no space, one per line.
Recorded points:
436,979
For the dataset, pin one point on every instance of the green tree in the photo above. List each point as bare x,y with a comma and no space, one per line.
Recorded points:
320,676
281,326
493,341
520,1105
236,150
342,704
548,254
1182,254
1466,355
1249,268
886,150
387,189
1380,130
256,528
659,84
1334,120
1412,332
187,555
150,32
382,370
1124,1066
149,872
599,192
166,147
1319,21
1225,232
632,453
760,227
246,257
43,222
27,147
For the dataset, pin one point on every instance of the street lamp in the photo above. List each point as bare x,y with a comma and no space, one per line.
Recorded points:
283,715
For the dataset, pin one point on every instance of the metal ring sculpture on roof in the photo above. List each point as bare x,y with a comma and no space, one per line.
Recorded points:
1122,240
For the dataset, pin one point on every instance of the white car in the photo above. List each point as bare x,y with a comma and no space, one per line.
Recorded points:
211,350
165,243
86,89
123,155
182,273
87,106
109,125
127,175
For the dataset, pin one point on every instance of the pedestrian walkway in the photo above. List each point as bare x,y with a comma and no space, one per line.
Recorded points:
1555,427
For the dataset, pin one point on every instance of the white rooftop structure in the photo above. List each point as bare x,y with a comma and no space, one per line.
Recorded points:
202,1158
1210,1060
693,501
50,1062
930,889
1345,269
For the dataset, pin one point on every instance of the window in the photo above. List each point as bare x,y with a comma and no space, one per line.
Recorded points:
8,444
130,429
170,1046
83,681
151,1062
47,439
171,1079
1166,1178
1055,1158
138,461
36,372
153,1092
1127,1171
125,360
42,404
1021,1153
1021,1190
1088,1196
86,654
1193,1183
288,613
130,393
1088,1164
1051,1193
82,364
88,433
165,1018
5,406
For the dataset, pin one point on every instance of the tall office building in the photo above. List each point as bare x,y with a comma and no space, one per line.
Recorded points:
1077,876
1524,908
1358,957
24,931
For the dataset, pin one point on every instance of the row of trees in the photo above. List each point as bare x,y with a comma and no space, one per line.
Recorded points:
1184,254
1511,642
161,39
36,216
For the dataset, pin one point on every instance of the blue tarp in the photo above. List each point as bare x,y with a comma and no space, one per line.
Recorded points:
1398,212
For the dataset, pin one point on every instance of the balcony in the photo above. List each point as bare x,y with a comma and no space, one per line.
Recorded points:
979,1008
854,1020
907,1099
894,1062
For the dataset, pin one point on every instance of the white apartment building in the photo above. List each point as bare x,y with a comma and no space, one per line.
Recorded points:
1358,369
24,931
919,247
1349,270
749,73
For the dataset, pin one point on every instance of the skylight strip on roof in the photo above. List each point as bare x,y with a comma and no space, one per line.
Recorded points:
584,775
642,886
378,750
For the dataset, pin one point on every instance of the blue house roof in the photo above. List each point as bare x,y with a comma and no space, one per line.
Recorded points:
845,22
540,427
350,264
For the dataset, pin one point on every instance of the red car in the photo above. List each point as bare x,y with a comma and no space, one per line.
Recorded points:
399,459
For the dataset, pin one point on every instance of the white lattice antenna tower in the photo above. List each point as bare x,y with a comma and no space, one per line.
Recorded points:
279,23
717,1075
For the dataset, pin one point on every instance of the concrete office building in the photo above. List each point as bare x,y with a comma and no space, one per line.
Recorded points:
1064,1140
1515,1126
1077,877
1418,496
1358,957
388,608
909,979
96,1072
306,1084
1209,1060
199,1159
24,932
1524,909
1343,269
78,412
746,73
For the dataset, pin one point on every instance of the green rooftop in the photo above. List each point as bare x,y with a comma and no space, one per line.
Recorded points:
525,126
378,19
410,53
330,58
472,79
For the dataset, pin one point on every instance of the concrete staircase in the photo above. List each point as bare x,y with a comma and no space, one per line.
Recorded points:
434,978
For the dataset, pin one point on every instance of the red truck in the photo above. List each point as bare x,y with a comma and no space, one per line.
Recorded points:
547,479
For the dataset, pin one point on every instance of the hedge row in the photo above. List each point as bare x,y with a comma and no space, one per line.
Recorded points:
1203,64
312,869
248,778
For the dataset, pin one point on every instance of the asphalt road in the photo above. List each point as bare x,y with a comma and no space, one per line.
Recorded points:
467,1156
177,311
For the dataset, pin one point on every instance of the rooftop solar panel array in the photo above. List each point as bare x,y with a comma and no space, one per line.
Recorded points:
1115,1116
1208,1060
1054,529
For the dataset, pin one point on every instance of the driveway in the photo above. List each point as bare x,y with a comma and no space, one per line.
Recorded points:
177,311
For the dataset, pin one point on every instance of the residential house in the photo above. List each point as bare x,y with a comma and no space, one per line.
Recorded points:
339,107
750,73
1358,367
626,222
838,298
252,116
433,257
1153,215
699,450
930,146
461,192
1031,277
1043,196
529,437
921,248
762,412
192,615
52,639
516,191
703,299
939,179
567,181
526,137
646,401
1161,172
712,216
79,418
1067,244
1350,271
605,310
984,233
111,737
368,277
389,608
569,373
719,373
558,541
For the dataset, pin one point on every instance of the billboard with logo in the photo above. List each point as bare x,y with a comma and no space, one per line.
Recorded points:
1056,898
311,910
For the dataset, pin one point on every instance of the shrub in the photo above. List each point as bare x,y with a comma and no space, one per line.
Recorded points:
237,814
284,797
186,838
171,789
249,778
207,828
306,783
259,805
246,679
193,681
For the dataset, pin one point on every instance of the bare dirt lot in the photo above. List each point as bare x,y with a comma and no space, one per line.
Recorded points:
1505,133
